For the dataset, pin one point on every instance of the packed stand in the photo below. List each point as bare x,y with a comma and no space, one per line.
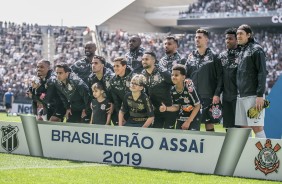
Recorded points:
68,45
20,48
233,6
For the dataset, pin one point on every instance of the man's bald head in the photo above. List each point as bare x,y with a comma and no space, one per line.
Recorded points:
90,49
134,42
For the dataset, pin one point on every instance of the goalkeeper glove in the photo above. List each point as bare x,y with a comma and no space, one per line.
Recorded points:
254,113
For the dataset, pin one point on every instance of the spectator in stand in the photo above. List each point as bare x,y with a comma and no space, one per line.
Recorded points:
20,48
216,6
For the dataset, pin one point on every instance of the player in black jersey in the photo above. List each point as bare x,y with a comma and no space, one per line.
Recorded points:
185,100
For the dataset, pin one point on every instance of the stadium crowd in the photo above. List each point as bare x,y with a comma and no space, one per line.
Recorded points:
20,48
233,6
21,45
69,45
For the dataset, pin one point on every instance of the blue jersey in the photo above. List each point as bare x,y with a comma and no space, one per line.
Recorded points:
8,97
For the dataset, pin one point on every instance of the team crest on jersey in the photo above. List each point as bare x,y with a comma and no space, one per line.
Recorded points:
186,100
206,58
267,160
164,62
156,78
139,58
70,87
103,107
174,62
9,140
127,83
107,84
190,89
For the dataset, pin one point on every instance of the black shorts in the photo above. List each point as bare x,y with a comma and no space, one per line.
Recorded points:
206,102
228,113
75,117
58,112
8,105
165,120
195,124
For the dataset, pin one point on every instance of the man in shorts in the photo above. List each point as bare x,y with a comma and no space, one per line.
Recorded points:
251,79
8,100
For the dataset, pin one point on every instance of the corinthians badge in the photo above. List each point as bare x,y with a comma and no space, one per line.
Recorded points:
9,140
267,160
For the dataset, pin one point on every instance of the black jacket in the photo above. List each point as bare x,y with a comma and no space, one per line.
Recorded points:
74,94
251,73
158,87
134,59
229,61
167,62
205,72
47,94
105,81
83,68
119,87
